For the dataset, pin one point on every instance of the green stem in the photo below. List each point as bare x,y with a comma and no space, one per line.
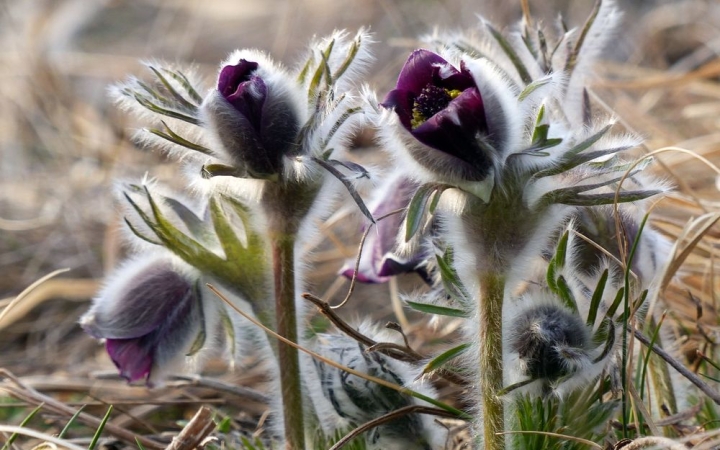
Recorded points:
492,289
289,365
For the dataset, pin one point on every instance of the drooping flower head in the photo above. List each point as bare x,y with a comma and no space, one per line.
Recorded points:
379,259
149,315
442,108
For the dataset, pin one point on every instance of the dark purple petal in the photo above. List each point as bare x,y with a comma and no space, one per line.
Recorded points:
245,91
402,102
132,357
421,68
455,131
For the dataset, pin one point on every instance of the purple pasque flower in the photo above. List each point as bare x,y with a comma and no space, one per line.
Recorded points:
149,315
443,109
253,114
379,261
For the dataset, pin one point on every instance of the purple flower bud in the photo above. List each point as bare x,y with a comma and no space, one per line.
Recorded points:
378,261
149,316
253,116
443,109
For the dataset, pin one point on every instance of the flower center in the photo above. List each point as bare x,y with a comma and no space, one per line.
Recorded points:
432,99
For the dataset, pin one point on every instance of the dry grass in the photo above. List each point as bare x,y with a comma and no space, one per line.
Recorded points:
62,144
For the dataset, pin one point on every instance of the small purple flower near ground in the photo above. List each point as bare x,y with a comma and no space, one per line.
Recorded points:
379,261
148,315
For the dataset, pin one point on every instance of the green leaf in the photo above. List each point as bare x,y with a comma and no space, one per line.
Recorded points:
175,94
450,279
220,170
185,83
511,54
609,341
438,310
419,208
608,198
597,298
616,303
98,432
352,53
566,294
349,112
24,422
444,357
171,136
148,104
532,87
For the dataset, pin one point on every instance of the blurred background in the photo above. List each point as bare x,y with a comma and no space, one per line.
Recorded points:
63,142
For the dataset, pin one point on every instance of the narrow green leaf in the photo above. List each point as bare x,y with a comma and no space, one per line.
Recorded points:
220,170
597,298
444,357
67,426
24,422
139,444
171,136
615,304
146,103
417,209
439,310
185,83
532,87
449,277
98,432
336,126
176,95
137,233
510,52
566,294
352,53
609,342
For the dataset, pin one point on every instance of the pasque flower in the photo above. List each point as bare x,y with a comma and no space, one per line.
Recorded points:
253,114
379,259
149,315
443,109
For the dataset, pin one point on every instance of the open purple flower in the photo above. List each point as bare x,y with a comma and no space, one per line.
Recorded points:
253,116
379,261
149,316
443,109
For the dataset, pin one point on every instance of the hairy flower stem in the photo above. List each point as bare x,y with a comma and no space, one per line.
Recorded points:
492,288
284,275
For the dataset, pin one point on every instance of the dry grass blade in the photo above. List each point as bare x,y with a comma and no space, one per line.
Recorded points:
17,389
27,291
195,432
66,288
389,417
557,435
38,435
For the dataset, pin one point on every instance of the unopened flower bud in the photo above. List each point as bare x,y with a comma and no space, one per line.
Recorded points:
550,341
253,114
